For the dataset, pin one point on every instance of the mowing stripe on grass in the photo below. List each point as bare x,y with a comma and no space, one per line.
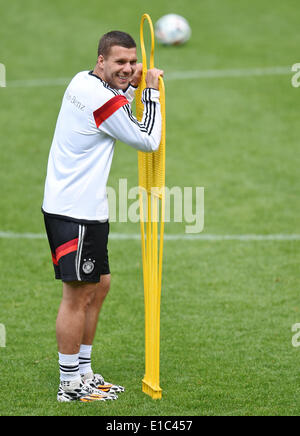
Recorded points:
173,237
212,74
175,75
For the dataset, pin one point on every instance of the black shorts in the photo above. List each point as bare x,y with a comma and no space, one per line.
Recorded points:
79,251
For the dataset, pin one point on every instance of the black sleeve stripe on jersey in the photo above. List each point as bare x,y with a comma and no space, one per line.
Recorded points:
127,109
147,114
153,118
148,124
150,111
148,108
141,126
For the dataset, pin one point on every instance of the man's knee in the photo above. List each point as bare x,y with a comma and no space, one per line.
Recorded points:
79,294
102,288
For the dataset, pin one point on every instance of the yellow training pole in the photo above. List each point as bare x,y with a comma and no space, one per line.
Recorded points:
152,185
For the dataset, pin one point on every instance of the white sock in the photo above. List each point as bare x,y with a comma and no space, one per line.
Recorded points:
68,367
85,353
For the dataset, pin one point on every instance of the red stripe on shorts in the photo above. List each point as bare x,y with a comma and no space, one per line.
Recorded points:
109,108
65,249
54,259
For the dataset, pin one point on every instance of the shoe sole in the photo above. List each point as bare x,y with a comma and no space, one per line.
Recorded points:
87,398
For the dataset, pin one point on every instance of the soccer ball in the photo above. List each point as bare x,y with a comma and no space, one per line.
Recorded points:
172,29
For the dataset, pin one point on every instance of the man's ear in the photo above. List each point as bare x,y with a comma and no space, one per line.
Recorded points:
100,61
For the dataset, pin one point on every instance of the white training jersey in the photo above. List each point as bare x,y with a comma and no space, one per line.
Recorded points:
92,117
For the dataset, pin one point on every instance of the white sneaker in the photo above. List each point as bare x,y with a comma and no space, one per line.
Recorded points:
99,383
78,390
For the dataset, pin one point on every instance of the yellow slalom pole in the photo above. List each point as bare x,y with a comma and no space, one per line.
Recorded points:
152,183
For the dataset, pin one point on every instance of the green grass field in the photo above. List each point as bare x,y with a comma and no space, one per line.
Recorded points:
228,306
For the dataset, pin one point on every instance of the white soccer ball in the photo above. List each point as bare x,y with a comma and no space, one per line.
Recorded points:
172,29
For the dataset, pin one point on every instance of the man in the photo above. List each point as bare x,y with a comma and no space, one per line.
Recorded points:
95,112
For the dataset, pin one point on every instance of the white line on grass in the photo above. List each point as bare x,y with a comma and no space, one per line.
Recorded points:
173,237
211,74
175,75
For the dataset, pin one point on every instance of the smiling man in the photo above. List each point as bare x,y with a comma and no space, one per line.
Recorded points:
95,112
116,64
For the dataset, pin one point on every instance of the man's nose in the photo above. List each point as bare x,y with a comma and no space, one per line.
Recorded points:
127,68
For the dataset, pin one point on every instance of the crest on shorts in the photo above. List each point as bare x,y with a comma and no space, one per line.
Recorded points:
88,266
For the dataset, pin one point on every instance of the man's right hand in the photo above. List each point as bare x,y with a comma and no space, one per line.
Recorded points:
152,76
